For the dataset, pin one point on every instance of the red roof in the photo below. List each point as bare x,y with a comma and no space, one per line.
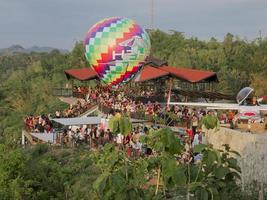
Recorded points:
81,74
149,73
190,75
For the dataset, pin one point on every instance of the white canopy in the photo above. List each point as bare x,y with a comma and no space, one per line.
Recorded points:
46,137
77,121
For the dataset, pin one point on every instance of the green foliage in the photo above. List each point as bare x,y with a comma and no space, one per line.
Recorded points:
213,178
45,173
172,173
163,141
210,122
219,173
12,165
120,124
77,56
53,173
123,178
39,150
120,177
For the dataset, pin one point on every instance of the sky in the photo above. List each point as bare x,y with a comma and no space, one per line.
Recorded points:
60,23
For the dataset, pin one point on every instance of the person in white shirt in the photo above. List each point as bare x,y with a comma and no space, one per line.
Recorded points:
119,141
196,140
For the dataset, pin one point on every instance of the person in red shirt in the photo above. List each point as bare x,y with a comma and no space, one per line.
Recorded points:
128,145
230,116
190,134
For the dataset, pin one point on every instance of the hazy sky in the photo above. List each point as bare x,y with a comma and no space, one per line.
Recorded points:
59,23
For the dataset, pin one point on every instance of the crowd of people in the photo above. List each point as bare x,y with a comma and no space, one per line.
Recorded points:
121,100
95,137
118,100
43,124
74,110
75,136
38,124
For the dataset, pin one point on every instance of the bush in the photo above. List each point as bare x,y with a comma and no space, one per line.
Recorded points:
39,150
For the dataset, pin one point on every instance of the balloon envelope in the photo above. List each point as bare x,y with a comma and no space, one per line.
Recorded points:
116,48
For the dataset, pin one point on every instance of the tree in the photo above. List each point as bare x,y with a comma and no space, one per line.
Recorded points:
77,56
120,124
120,177
259,83
159,176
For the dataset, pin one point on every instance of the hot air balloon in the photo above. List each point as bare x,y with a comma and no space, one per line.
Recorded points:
116,48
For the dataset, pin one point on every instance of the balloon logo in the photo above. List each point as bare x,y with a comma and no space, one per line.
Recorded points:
116,48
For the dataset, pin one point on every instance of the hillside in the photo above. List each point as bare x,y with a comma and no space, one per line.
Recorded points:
14,49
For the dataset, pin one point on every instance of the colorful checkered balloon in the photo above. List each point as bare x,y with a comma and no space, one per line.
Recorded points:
116,48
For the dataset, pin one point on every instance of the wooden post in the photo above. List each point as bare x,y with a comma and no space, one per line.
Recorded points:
158,180
22,138
169,93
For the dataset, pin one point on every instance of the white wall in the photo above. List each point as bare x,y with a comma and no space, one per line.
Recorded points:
251,147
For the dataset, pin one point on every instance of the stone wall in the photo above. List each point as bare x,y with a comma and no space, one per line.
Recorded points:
251,147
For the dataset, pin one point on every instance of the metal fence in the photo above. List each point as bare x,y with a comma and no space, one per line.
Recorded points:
63,92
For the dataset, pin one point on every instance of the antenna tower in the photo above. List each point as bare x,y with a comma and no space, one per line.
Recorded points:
152,14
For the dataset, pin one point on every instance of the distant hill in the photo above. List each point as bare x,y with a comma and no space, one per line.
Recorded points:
19,49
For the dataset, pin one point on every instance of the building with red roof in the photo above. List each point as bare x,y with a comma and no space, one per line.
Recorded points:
157,76
153,69
83,74
149,73
191,75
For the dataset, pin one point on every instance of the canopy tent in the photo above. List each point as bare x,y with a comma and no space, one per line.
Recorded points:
46,137
83,74
78,121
